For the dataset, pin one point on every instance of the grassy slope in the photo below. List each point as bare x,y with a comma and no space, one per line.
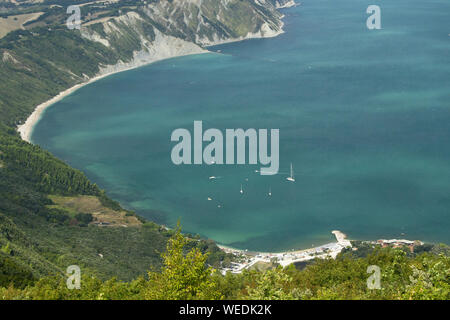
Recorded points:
38,235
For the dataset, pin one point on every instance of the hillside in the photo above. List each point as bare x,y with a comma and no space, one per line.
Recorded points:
45,223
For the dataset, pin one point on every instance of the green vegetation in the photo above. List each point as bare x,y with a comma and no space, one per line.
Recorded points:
186,276
91,209
182,276
34,66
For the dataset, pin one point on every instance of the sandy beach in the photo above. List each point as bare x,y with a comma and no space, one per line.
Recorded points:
250,258
325,251
341,238
26,129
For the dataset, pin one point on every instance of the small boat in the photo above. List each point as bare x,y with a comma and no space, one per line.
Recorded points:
242,190
291,177
270,192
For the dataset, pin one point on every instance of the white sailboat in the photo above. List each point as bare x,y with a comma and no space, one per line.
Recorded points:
291,177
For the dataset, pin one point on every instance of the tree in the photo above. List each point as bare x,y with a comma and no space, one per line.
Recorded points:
183,277
271,285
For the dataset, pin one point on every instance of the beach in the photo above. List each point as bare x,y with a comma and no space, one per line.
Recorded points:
26,129
285,258
330,250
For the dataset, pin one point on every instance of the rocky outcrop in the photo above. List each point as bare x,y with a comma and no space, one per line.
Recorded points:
161,47
165,29
210,22
205,22
279,4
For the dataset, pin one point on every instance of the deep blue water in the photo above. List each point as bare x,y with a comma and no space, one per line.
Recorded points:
364,116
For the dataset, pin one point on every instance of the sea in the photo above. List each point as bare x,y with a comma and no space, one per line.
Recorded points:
363,117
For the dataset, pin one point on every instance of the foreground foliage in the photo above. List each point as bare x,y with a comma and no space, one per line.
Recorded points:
187,276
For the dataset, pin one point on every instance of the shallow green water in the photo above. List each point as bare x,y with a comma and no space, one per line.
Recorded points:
364,116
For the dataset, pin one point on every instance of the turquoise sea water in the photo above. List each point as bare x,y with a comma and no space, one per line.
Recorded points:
364,116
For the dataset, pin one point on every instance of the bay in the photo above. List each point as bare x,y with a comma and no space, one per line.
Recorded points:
364,117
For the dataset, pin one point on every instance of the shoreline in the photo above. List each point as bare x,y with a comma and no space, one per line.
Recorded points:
248,259
341,238
26,129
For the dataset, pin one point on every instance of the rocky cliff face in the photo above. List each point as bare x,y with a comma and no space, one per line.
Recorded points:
282,3
208,22
203,22
165,29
